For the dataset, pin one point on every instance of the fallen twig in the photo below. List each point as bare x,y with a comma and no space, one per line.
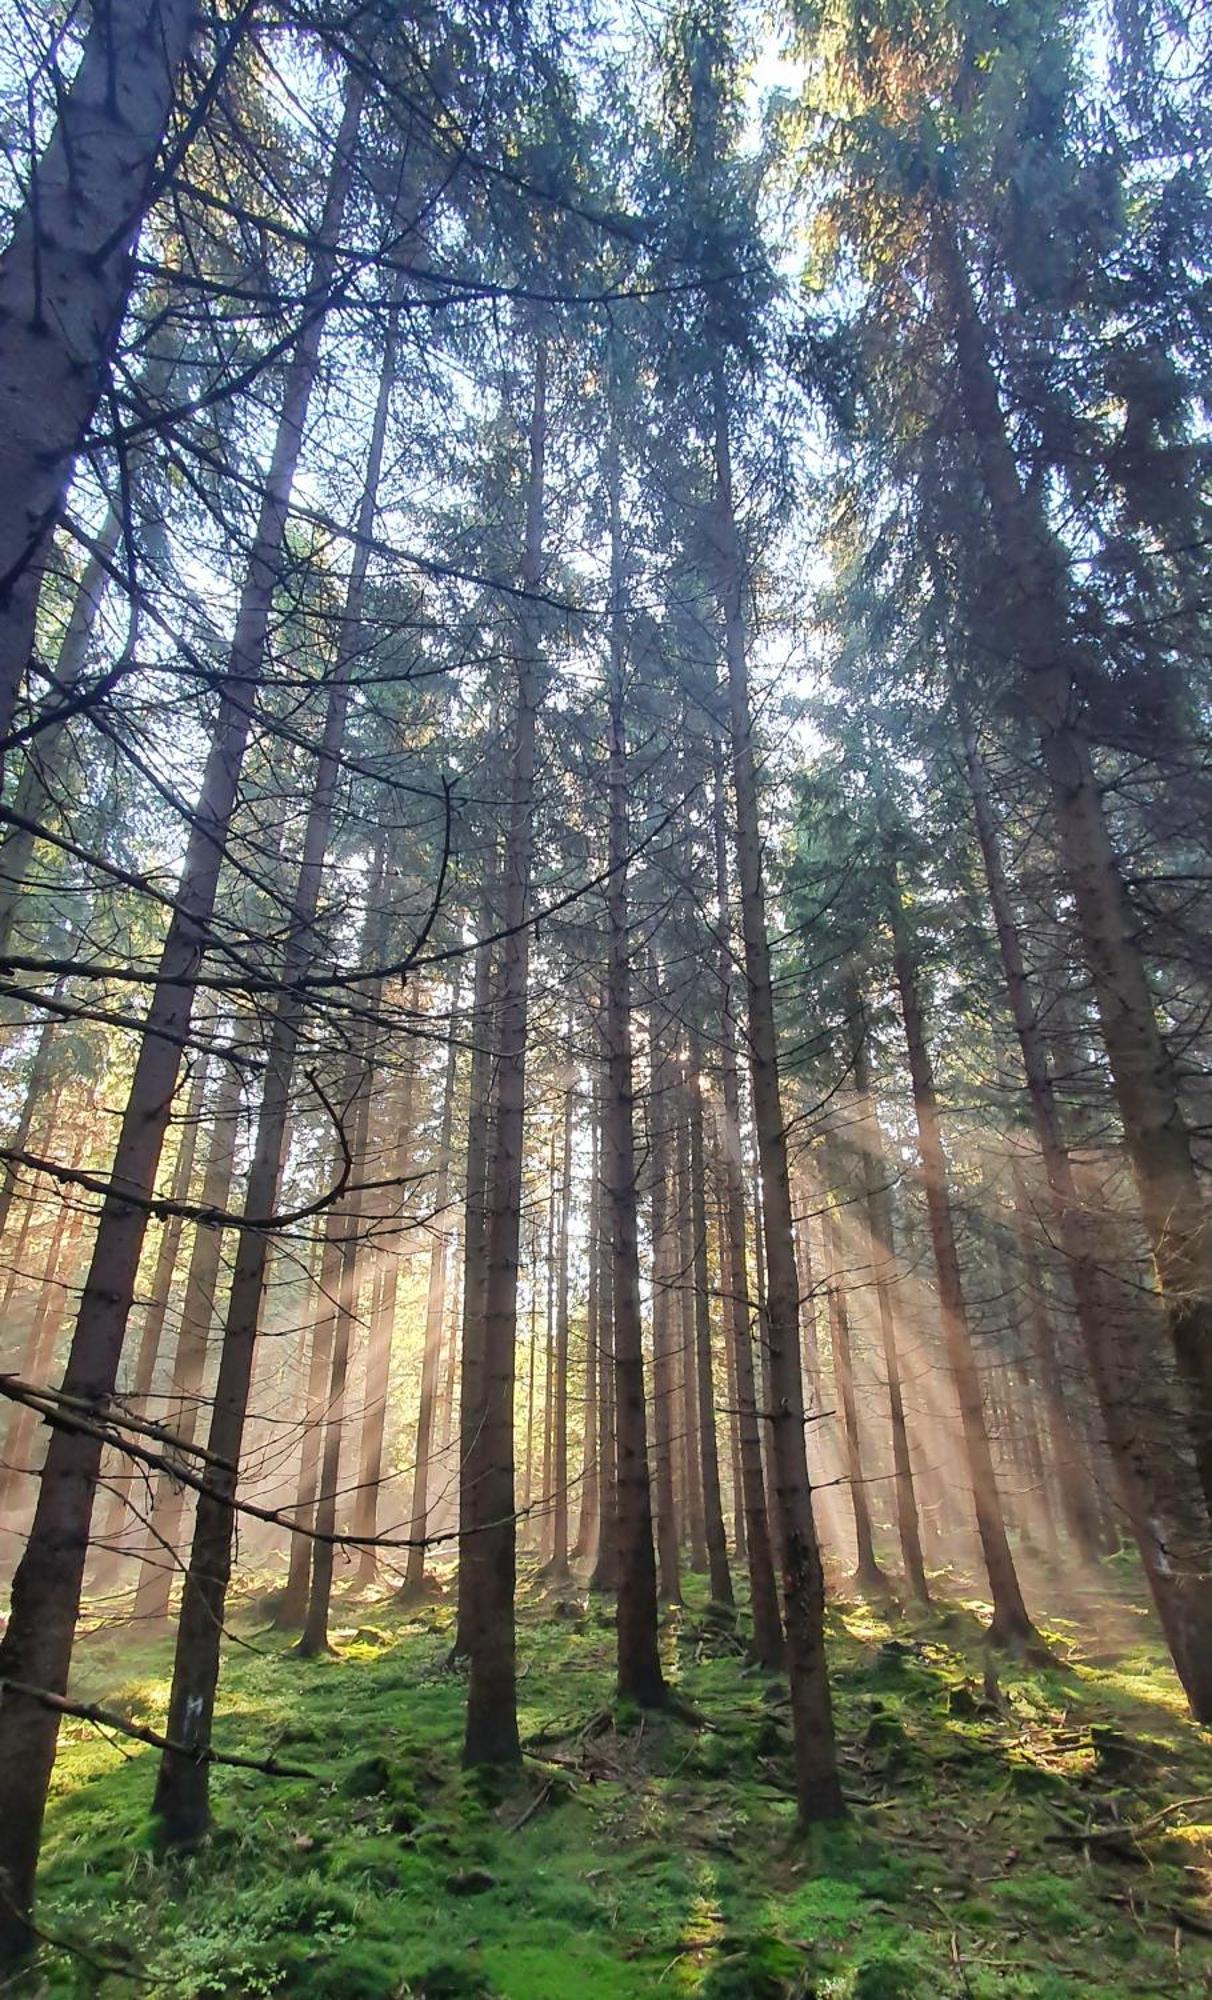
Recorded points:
105,1718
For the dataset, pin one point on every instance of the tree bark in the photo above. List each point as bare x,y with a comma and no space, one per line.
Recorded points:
198,1307
65,278
877,1195
1167,1518
686,1373
161,1290
868,1575
1156,1134
435,1307
559,1468
587,1526
818,1787
718,1572
37,1646
292,1608
767,1645
1011,1624
640,1676
489,1544
49,1315
374,1411
314,1638
478,1165
664,1297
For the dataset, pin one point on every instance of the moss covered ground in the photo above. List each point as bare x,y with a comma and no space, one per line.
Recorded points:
1042,1830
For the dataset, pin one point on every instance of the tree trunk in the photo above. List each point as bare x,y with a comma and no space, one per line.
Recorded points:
37,1645
687,1345
532,1356
435,1307
767,1646
590,1486
43,758
314,1639
395,1257
47,1325
1156,1135
559,1470
735,1472
32,1103
818,1788
478,1165
713,1505
198,1307
877,1195
764,1384
605,1576
868,1575
640,1676
664,1298
1011,1625
161,1290
489,1546
1167,1518
549,1344
374,1411
292,1609
65,278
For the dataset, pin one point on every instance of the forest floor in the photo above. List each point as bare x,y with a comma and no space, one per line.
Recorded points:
1043,1833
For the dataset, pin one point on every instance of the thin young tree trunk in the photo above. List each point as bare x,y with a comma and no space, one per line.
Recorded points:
1156,1134
449,1370
605,1576
640,1676
818,1787
161,1289
664,1299
489,1550
877,1195
153,1589
32,1104
374,1411
1078,1503
532,1355
382,1328
549,1344
730,1384
559,1470
713,1506
1011,1624
37,1646
65,278
687,1346
767,1392
435,1307
292,1609
480,1147
868,1575
314,1639
588,1524
43,759
767,1645
49,1315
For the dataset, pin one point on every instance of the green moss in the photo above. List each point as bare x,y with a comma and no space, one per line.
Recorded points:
664,1860
762,1968
890,1973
